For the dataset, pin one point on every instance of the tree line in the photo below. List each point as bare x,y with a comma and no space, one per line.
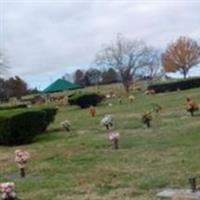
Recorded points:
122,60
95,76
127,59
14,87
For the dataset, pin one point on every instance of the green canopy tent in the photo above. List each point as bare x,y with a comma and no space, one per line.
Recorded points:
61,85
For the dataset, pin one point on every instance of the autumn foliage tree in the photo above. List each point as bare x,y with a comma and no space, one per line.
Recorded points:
13,87
181,56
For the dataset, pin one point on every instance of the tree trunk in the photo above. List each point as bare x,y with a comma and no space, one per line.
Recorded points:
185,73
126,87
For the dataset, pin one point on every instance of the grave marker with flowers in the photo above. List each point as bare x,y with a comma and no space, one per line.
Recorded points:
120,100
66,125
8,191
22,158
107,121
114,137
192,106
147,118
157,108
131,98
92,111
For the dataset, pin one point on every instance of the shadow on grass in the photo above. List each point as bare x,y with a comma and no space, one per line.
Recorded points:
53,130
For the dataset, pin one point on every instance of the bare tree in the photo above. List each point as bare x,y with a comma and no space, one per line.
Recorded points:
181,56
125,55
154,70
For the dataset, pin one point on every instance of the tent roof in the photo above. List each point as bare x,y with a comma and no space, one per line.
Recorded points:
61,85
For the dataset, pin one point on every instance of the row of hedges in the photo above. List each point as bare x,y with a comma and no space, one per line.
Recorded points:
11,107
174,86
21,126
84,100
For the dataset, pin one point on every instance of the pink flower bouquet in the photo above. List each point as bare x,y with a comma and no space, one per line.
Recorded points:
21,158
114,137
7,191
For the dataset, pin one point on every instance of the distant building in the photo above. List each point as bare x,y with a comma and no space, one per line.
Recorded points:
61,85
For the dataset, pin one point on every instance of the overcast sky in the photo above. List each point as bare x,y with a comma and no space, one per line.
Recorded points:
44,39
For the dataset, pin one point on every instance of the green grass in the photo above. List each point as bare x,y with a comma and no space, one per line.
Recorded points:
82,164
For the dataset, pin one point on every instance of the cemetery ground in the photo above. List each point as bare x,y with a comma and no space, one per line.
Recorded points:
81,164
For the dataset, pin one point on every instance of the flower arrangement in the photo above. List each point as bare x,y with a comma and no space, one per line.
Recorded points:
107,121
150,91
131,98
8,191
66,125
108,96
114,95
147,118
21,158
120,100
114,137
157,108
92,111
111,95
192,106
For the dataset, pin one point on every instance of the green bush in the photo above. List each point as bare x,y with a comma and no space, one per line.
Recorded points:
176,85
84,100
22,126
50,114
13,107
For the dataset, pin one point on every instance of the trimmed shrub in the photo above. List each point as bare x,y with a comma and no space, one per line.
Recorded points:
22,126
85,100
13,107
50,114
174,86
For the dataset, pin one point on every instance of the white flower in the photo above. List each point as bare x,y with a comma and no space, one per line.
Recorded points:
107,120
4,196
108,96
13,194
65,124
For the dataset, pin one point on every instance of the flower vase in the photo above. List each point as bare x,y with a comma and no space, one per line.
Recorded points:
22,172
116,144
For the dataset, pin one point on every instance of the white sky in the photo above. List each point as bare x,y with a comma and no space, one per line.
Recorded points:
44,39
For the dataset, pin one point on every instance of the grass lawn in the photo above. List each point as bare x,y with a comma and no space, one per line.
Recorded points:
82,164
